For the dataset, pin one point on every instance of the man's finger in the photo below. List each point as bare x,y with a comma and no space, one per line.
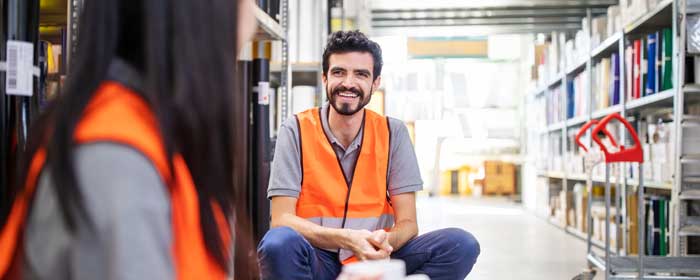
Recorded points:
377,255
379,235
380,242
378,238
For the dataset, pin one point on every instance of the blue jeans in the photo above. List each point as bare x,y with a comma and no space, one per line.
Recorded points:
442,254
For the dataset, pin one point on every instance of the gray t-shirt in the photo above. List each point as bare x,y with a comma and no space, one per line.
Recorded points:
285,178
126,199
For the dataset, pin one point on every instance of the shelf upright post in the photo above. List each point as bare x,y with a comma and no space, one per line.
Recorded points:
74,9
622,211
286,75
20,43
261,142
588,94
564,144
678,214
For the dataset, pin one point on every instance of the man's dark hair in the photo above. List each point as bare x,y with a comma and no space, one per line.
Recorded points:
353,41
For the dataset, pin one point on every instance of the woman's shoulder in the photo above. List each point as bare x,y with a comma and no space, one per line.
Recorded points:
120,189
119,115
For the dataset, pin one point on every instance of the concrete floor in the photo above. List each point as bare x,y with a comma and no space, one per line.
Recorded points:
515,244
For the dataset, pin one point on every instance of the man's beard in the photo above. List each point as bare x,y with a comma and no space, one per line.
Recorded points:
345,108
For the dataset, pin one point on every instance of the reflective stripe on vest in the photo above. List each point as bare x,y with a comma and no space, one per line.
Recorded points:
326,198
117,114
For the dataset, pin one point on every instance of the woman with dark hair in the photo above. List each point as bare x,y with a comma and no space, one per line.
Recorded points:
131,173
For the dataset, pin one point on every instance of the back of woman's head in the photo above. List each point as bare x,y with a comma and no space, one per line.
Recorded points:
186,53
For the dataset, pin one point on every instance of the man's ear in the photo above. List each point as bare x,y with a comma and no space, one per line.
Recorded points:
377,82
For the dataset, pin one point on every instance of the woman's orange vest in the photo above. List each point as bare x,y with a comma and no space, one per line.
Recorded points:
117,114
326,198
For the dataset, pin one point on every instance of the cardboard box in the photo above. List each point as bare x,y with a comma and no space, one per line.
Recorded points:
614,19
632,223
580,206
571,218
599,28
499,177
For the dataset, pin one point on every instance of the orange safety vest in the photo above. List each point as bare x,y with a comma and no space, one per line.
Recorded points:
326,198
117,114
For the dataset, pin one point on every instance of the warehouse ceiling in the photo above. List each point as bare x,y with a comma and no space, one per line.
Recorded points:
480,17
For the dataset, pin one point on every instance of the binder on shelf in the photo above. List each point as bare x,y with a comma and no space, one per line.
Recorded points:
651,65
643,66
629,62
570,99
637,69
663,227
615,96
632,221
604,95
650,234
667,62
659,60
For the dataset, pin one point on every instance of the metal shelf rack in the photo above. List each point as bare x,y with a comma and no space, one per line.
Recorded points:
668,13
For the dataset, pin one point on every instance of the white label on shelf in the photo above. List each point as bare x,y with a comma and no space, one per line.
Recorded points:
263,90
20,68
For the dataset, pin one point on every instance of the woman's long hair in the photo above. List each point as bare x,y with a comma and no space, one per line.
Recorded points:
186,53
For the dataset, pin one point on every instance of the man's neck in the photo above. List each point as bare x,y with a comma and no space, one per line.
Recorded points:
345,128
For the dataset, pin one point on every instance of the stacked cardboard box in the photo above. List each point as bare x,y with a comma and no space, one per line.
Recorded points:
633,9
542,197
550,58
499,177
580,206
598,214
614,19
658,145
599,30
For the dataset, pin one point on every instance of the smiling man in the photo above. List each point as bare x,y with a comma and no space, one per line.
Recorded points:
343,183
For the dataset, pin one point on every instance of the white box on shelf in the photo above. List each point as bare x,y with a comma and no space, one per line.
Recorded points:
598,30
631,10
648,171
614,19
657,171
691,138
658,152
693,31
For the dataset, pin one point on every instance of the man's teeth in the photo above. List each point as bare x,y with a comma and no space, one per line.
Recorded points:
347,94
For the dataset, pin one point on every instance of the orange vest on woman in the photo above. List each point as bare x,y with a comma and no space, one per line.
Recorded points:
326,198
117,114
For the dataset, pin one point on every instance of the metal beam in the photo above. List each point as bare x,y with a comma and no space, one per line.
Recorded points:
422,4
484,12
493,12
471,22
452,31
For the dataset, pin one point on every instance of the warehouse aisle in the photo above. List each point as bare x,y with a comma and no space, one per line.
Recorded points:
515,244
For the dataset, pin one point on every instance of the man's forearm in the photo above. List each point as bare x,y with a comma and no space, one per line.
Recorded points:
321,237
402,232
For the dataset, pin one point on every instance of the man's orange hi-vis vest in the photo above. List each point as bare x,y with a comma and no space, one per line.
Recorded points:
117,114
326,198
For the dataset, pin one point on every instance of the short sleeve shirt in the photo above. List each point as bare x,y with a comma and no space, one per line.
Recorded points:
285,178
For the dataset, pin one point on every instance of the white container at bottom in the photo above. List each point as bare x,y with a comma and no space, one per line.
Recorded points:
386,269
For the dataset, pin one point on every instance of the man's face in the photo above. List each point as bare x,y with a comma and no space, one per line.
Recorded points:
349,82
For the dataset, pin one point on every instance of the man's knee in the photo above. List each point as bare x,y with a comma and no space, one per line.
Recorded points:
466,245
280,240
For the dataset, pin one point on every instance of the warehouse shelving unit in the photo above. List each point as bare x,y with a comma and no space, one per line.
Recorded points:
668,13
259,132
